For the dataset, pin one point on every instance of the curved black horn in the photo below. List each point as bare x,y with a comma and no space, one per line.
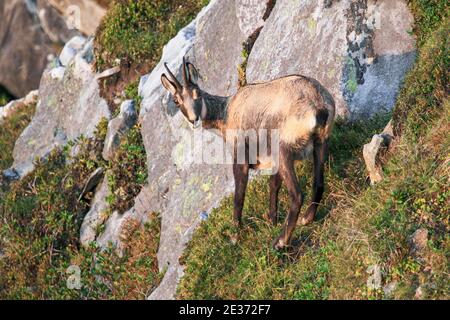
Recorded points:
173,78
185,78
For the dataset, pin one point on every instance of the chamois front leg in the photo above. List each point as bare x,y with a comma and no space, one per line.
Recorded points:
320,155
240,172
289,177
275,185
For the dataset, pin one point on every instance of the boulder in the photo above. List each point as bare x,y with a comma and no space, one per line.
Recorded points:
84,15
372,150
96,215
359,50
117,127
92,181
67,108
71,48
30,32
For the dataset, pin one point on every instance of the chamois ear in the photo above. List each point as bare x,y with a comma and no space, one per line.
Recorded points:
193,73
169,85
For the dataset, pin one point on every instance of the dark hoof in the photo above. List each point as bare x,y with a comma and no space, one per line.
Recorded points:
278,244
306,219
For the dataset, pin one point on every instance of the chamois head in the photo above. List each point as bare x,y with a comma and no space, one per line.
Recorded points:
187,96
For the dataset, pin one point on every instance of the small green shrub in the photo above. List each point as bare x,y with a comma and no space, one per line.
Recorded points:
128,171
39,235
135,32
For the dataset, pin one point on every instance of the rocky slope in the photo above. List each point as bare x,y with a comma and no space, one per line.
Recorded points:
360,50
33,32
181,194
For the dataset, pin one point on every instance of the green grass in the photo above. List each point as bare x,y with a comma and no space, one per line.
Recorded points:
41,218
136,31
216,268
128,171
358,226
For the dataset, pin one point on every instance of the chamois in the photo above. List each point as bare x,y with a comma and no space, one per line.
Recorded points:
300,108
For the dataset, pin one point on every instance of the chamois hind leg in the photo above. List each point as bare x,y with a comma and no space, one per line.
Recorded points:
275,185
320,155
287,173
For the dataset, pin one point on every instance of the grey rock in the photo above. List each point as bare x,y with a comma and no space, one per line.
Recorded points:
117,127
217,54
71,49
66,110
92,182
58,73
370,154
375,277
419,243
53,24
362,70
115,230
249,14
390,288
97,214
10,175
372,150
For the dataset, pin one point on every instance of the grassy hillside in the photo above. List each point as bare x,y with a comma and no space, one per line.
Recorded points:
360,228
41,214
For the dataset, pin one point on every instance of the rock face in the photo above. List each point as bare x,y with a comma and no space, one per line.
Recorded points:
359,50
117,127
181,189
67,108
24,45
96,215
84,15
31,31
70,50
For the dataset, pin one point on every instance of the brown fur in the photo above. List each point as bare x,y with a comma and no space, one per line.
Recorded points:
299,107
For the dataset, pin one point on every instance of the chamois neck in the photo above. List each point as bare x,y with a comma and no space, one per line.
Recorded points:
216,111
